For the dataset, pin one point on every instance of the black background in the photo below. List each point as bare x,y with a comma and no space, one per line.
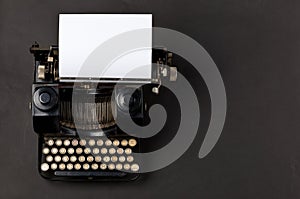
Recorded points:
255,44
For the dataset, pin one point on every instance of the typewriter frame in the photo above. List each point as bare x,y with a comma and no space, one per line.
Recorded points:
47,116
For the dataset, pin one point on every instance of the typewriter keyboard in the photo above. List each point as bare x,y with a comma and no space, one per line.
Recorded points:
65,154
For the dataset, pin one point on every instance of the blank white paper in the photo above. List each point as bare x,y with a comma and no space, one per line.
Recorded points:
80,35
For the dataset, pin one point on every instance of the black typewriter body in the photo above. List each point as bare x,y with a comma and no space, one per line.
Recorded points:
92,147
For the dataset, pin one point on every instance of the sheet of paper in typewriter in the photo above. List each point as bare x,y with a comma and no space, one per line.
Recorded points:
81,34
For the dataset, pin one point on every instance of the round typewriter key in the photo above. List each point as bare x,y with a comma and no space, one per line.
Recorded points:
58,142
108,143
129,158
77,166
106,159
81,158
44,167
116,142
62,150
62,166
73,158
49,158
100,142
87,150
103,150
120,151
114,158
135,167
46,150
70,150
92,142
97,158
90,158
128,151
119,166
112,150
111,166
79,151
53,166
67,142
74,142
50,142
124,142
57,158
103,166
69,166
122,159
126,166
132,142
65,158
82,142
94,166
96,151
85,166
54,150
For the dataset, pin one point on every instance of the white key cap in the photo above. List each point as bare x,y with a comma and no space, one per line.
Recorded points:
44,167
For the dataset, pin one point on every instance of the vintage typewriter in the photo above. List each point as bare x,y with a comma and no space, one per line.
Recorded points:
93,148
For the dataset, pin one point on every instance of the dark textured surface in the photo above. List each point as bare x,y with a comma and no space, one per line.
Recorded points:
256,45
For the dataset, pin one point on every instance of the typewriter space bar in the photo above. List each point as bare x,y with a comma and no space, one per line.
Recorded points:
90,174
